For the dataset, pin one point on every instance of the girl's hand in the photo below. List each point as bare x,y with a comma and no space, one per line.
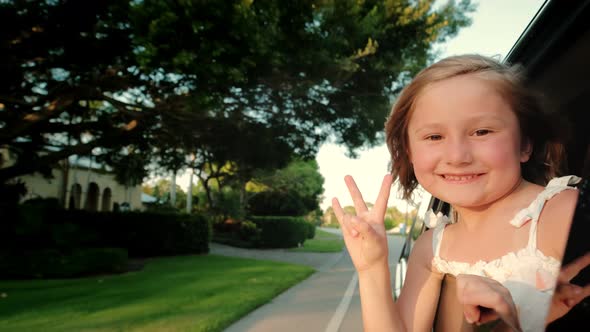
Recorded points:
364,234
485,300
567,295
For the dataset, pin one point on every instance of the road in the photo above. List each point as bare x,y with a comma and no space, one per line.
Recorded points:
327,301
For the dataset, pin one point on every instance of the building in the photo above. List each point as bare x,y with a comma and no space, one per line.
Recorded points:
80,183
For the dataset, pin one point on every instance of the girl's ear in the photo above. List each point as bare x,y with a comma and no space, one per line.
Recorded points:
526,150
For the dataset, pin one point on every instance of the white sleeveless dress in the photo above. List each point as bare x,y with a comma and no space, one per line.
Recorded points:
528,274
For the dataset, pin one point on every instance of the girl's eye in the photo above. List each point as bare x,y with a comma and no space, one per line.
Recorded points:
434,138
482,132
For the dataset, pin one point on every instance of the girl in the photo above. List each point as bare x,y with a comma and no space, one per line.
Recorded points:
468,132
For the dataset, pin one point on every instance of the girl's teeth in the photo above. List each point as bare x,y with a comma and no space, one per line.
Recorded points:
459,178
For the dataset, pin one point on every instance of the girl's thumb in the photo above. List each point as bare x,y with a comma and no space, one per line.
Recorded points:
471,313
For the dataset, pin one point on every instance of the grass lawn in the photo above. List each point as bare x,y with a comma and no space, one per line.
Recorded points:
322,242
185,293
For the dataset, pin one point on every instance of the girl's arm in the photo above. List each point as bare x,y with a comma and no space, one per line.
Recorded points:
555,222
366,241
419,297
418,301
378,308
554,226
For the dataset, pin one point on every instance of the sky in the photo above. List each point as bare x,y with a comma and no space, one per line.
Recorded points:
496,26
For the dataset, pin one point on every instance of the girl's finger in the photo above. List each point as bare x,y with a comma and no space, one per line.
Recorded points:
338,211
360,226
381,203
572,269
357,197
352,229
487,315
489,294
342,218
579,294
565,292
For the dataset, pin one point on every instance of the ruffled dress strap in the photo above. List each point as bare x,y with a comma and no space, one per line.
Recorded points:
437,222
436,239
533,211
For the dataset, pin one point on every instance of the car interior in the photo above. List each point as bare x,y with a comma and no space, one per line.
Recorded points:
554,50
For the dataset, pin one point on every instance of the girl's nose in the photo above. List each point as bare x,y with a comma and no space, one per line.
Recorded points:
458,152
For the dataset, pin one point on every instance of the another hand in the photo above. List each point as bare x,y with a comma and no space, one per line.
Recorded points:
567,295
485,300
364,234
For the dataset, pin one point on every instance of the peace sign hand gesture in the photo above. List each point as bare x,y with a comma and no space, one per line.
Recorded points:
566,294
364,234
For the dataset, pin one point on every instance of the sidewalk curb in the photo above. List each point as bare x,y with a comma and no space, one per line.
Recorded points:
338,317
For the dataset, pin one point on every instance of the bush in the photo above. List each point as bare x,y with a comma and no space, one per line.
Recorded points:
389,223
276,203
249,232
242,234
281,232
154,234
50,263
310,230
142,234
228,225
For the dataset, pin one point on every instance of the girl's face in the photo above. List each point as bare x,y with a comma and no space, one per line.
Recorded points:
465,143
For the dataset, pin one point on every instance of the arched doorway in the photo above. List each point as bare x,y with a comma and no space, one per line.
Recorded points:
106,199
75,196
92,197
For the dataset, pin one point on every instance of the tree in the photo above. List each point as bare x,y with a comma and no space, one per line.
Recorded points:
160,76
162,189
63,63
294,190
311,68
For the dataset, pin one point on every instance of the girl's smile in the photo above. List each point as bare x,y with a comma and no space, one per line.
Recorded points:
461,178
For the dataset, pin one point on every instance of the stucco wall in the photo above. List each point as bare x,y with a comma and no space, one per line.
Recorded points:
40,187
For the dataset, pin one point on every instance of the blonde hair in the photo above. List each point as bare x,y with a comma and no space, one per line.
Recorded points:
538,127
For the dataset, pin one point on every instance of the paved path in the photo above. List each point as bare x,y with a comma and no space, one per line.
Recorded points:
327,301
319,261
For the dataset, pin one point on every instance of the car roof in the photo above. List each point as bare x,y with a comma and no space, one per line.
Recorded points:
554,50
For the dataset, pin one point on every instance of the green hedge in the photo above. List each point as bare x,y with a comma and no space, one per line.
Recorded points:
281,232
234,240
310,230
142,234
50,263
146,234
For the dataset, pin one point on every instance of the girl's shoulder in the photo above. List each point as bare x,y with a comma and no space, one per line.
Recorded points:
423,251
555,221
423,244
557,197
559,208
561,199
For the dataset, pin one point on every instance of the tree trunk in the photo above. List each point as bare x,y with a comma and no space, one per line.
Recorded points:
173,190
189,194
243,195
205,183
63,194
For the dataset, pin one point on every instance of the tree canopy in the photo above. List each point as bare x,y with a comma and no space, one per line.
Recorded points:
295,190
253,82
